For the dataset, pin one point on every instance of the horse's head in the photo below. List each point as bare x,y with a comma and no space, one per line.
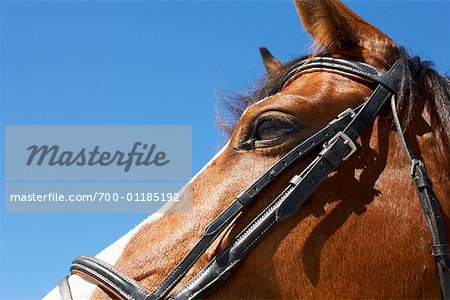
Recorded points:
362,233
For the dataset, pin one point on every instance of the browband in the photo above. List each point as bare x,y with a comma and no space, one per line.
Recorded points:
387,79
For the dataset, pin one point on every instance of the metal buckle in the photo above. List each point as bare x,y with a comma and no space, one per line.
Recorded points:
347,141
414,163
346,112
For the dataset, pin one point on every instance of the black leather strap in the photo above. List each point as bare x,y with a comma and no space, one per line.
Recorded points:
337,150
300,188
430,206
247,197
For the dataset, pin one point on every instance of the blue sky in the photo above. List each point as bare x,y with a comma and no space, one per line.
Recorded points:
147,63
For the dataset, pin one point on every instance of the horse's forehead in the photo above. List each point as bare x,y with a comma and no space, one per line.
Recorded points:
254,104
307,86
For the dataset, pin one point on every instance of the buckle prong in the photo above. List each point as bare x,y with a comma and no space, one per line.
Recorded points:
347,141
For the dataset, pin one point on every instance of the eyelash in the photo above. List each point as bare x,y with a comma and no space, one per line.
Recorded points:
250,142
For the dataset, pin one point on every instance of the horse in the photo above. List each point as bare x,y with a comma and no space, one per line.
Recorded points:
361,233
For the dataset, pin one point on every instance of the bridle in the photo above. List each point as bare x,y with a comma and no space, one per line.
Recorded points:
337,142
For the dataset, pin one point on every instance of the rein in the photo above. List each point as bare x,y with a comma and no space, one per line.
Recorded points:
337,140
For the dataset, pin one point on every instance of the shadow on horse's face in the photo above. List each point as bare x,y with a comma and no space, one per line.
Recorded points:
360,235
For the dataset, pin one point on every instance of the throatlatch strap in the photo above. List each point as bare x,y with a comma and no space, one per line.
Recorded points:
430,207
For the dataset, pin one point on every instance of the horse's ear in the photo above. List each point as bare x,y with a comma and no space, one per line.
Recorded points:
338,30
271,64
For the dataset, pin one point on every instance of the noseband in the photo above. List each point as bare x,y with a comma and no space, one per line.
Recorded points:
337,143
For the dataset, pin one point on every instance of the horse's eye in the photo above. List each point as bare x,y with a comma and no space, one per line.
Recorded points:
272,129
267,131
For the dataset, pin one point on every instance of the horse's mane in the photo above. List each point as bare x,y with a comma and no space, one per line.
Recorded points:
419,78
